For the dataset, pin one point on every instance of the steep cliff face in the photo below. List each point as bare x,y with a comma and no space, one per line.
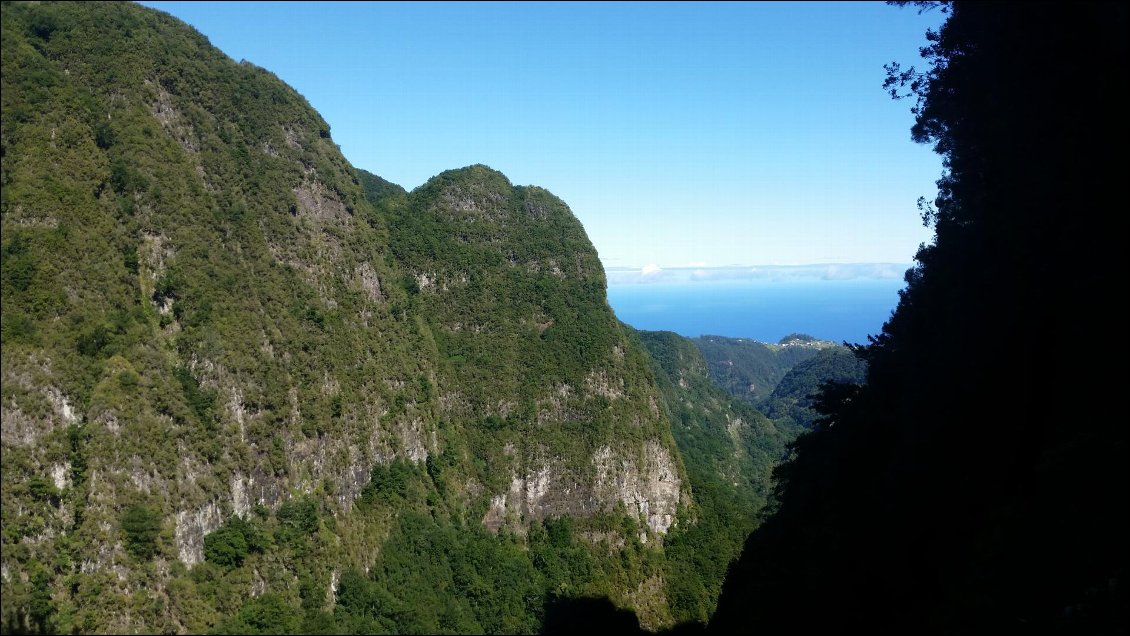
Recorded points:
198,290
535,373
209,317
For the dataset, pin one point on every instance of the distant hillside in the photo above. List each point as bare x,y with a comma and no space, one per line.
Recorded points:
750,370
378,189
794,396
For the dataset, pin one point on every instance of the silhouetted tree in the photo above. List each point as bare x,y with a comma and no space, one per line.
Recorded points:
978,481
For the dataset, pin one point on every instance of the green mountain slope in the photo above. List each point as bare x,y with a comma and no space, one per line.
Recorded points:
199,325
750,370
247,388
535,373
729,449
795,395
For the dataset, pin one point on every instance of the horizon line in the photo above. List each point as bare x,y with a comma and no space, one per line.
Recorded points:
692,267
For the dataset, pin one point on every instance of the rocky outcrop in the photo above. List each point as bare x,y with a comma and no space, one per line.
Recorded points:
191,526
648,484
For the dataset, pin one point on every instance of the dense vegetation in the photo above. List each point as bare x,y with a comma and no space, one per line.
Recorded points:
249,389
750,370
171,315
782,380
795,396
510,292
729,449
977,482
433,573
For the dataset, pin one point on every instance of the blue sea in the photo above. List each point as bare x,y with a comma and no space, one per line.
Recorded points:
837,310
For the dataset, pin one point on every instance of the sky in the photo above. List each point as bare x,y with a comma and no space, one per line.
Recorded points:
681,135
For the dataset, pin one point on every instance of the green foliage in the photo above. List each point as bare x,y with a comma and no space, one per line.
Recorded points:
141,526
129,259
200,289
128,380
149,268
750,370
568,568
228,546
729,449
18,263
297,520
202,401
795,395
389,483
17,328
301,515
377,189
43,490
500,273
512,297
434,578
93,341
269,613
77,436
42,608
104,135
225,547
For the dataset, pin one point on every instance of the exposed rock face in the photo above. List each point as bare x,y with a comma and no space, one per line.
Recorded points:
413,439
241,504
526,500
315,202
165,111
19,428
369,281
191,528
61,475
649,484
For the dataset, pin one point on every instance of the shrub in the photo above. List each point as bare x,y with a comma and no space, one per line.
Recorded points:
141,526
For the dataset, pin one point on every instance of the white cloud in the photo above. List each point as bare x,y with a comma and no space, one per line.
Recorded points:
652,273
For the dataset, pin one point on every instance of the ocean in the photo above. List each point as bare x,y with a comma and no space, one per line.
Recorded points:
837,310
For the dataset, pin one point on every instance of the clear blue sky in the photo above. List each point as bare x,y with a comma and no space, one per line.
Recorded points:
679,134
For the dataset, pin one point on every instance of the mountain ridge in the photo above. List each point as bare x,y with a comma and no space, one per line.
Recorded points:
247,387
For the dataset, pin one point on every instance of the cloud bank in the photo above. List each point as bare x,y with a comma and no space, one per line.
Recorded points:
652,273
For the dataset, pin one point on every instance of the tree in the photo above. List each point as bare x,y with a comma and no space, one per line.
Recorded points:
977,482
226,547
141,526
